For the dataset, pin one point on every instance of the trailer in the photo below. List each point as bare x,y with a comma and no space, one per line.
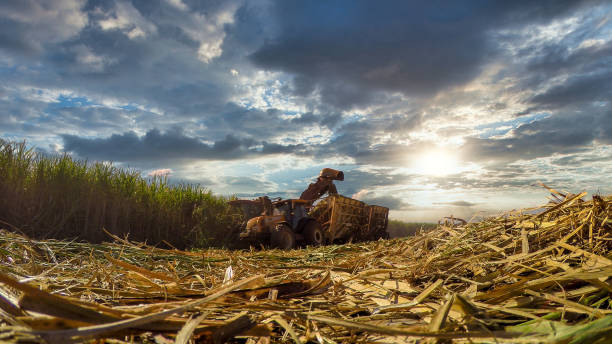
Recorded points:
343,219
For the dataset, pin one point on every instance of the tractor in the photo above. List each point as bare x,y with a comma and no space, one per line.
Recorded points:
286,223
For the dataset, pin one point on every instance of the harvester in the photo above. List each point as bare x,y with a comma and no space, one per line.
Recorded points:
310,220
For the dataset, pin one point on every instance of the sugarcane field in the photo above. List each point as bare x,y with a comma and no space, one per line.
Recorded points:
305,171
539,275
516,278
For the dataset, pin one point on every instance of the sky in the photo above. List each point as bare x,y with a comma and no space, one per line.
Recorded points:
432,108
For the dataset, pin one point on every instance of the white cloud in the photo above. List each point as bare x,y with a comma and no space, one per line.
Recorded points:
45,95
128,20
89,60
263,90
592,43
48,21
162,172
210,50
537,35
177,4
209,31
360,194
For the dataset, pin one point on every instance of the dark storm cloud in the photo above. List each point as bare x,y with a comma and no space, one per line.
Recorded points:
26,26
589,75
13,42
581,59
168,146
144,71
581,47
265,124
577,91
144,52
571,80
563,133
140,65
351,49
330,120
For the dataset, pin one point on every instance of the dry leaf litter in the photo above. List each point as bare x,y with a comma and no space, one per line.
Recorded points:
530,276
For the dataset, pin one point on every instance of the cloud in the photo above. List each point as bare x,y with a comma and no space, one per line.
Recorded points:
207,28
171,145
246,183
457,203
27,26
581,49
577,91
128,20
349,50
391,202
360,183
518,92
162,172
562,133
89,61
178,4
373,198
144,53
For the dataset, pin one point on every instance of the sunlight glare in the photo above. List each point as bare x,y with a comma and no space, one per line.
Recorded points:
436,163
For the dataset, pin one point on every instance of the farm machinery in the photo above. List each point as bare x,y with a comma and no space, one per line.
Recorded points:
312,220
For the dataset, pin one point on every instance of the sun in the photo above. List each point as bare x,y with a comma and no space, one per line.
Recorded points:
436,162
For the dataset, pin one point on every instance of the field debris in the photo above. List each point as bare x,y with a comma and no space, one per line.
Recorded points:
530,276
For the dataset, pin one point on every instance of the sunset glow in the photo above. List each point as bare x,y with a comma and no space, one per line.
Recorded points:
437,163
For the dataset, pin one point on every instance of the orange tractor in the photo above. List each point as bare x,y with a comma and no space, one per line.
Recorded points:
286,223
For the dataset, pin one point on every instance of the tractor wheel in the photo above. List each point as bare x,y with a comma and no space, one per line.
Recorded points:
313,234
282,237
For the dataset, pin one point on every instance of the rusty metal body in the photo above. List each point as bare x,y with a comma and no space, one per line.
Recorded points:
345,219
324,183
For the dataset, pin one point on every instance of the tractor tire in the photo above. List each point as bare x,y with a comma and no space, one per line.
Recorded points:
313,234
282,237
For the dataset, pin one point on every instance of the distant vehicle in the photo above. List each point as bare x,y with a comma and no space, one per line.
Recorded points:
286,223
